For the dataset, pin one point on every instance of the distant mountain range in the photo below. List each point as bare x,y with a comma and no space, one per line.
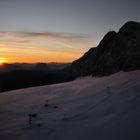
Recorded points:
35,66
116,52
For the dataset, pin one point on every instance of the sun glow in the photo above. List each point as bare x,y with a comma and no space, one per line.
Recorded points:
2,60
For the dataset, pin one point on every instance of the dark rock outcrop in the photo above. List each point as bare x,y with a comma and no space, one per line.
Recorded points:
116,52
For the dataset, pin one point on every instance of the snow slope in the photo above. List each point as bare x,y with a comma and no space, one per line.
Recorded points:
106,108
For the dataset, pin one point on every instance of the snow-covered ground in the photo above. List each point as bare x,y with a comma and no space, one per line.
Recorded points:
106,108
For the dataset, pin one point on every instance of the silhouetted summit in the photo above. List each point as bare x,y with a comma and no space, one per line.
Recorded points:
116,52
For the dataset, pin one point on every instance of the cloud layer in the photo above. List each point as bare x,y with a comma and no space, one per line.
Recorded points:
42,47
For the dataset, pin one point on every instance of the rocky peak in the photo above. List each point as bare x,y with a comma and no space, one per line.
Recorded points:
107,39
130,27
116,52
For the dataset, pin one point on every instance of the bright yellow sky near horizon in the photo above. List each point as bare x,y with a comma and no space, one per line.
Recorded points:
41,47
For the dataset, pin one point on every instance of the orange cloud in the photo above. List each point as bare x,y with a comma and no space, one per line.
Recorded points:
42,47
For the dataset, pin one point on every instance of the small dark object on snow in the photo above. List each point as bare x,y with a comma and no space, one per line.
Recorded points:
55,106
34,115
46,105
30,121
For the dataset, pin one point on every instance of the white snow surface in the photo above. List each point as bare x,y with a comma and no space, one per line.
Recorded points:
90,108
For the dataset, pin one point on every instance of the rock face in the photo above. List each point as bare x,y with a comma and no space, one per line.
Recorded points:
116,52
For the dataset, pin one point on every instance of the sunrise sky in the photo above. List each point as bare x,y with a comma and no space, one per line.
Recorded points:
58,30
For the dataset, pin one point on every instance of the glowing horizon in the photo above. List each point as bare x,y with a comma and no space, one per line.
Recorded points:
2,60
42,47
